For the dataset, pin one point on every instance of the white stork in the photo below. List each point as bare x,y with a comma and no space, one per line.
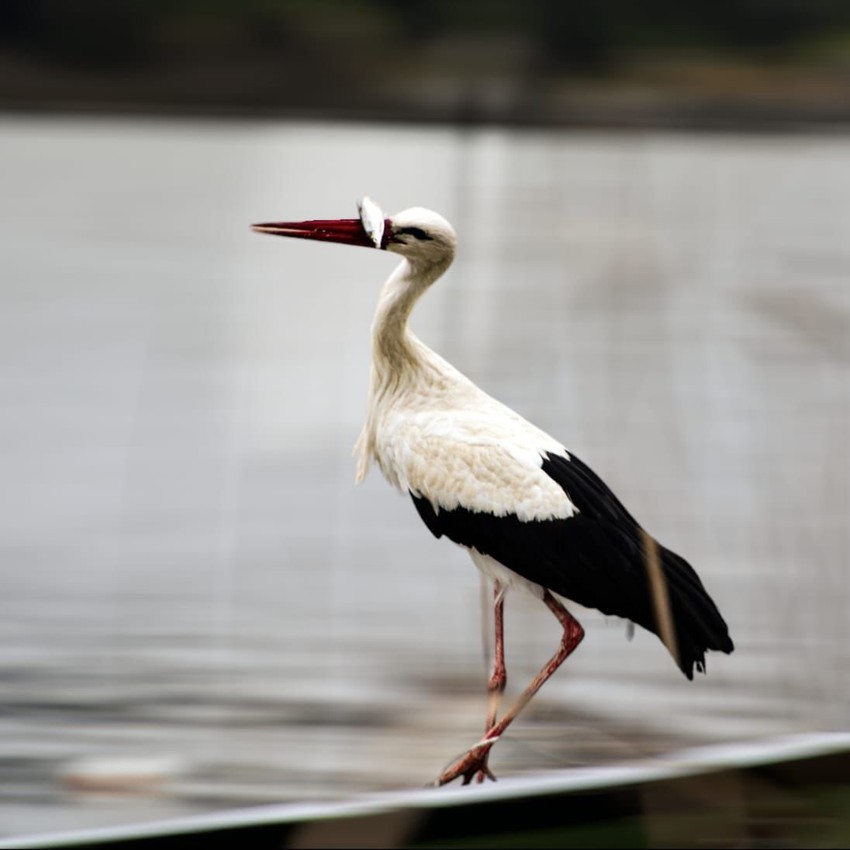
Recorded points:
530,513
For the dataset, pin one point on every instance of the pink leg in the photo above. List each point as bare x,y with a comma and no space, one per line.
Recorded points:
499,676
475,760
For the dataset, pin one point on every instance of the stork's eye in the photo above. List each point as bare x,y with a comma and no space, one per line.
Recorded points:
416,232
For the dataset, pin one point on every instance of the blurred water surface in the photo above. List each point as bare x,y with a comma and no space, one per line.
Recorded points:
194,592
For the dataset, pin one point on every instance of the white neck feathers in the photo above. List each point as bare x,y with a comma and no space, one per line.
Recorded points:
398,357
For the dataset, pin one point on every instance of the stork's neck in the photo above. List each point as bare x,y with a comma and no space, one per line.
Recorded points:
400,362
395,351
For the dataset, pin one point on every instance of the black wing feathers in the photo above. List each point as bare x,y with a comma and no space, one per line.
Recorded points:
595,558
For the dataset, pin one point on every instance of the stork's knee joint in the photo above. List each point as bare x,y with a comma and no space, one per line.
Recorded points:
497,684
572,636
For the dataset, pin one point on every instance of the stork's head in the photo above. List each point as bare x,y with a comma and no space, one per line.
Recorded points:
420,235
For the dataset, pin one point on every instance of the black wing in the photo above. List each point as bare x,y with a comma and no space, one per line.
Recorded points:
595,558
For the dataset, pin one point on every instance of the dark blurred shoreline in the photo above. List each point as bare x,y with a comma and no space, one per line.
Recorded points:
672,121
749,66
675,115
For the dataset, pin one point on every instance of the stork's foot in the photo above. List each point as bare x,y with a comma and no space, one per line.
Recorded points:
472,765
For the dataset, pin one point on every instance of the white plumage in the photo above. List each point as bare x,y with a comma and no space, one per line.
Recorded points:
531,514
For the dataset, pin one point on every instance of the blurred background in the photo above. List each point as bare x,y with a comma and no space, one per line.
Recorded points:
198,608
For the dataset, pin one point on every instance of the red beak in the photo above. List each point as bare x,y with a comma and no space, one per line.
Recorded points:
348,231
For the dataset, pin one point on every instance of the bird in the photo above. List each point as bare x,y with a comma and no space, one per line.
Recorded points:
529,512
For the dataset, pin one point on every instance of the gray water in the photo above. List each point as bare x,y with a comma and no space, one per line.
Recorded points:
200,610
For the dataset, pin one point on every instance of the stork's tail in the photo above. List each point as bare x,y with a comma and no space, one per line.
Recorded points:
686,618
